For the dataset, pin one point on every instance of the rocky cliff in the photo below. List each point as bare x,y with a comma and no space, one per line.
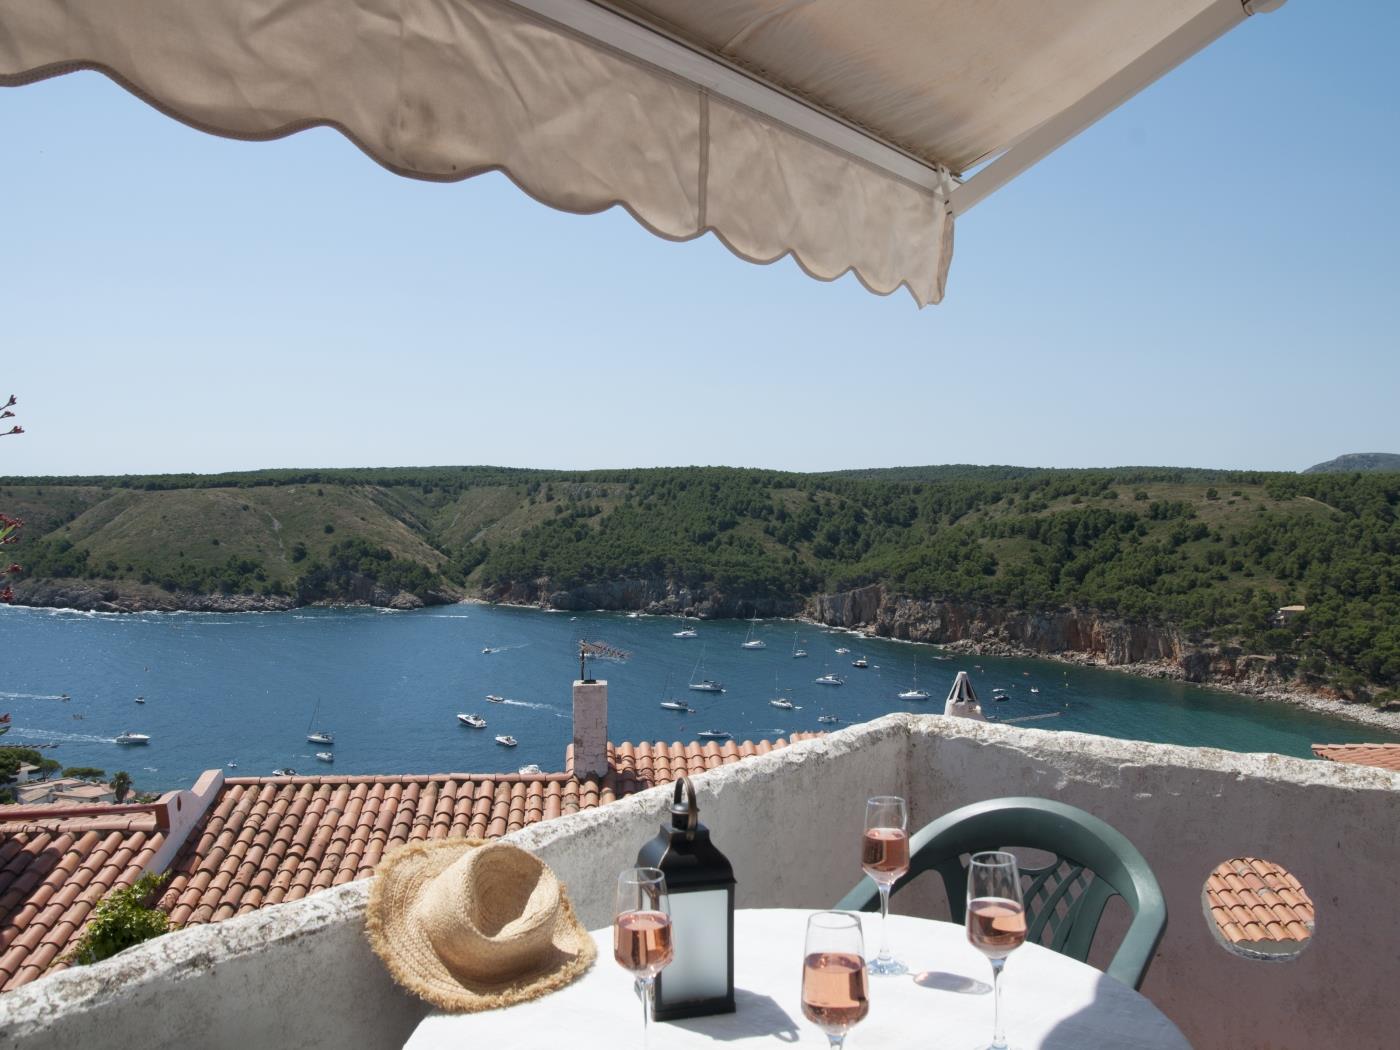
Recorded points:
125,596
1057,631
657,597
1079,635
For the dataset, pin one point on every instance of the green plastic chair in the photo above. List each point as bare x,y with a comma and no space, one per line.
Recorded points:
1093,862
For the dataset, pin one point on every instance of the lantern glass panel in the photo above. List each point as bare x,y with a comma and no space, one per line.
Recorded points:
700,928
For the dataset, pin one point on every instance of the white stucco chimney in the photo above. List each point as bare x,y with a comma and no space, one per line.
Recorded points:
962,700
590,728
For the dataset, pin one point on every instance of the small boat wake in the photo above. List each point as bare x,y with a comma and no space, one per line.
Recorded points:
22,732
534,706
33,696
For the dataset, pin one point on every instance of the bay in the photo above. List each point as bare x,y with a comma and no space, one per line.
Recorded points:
223,688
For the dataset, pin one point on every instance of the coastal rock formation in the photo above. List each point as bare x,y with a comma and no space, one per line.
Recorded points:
1083,636
656,597
107,597
1113,641
100,596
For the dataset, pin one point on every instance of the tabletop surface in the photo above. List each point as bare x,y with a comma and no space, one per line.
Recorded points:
1048,1000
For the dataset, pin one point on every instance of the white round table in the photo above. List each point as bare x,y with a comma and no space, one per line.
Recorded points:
1049,1001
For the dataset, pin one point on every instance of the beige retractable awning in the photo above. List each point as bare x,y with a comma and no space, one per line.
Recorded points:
832,130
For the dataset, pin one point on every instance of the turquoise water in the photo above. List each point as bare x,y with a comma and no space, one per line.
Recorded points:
241,688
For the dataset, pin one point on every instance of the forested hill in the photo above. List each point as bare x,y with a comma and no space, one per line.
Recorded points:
1388,461
1213,553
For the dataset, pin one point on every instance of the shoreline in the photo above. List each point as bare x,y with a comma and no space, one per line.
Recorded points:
1276,692
1266,692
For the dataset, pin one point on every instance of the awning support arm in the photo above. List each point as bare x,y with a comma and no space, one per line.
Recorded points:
1197,34
594,21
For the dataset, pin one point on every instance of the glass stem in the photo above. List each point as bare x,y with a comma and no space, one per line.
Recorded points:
998,1036
644,993
885,955
837,1041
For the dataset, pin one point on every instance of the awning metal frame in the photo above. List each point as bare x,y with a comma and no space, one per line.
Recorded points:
595,21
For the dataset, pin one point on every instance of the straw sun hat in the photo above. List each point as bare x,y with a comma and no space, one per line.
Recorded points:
469,925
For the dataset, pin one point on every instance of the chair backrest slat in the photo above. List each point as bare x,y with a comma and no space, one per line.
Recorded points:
1101,863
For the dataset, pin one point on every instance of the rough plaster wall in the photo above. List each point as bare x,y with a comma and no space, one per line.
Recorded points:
1337,828
302,975
293,975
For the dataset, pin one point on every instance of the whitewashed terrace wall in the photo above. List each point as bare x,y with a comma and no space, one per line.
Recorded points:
302,975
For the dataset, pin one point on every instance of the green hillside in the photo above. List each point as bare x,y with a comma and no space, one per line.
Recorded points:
1211,552
1388,461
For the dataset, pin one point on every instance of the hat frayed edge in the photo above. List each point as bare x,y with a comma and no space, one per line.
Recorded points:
411,980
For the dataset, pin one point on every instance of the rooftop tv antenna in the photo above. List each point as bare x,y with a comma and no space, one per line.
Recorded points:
598,651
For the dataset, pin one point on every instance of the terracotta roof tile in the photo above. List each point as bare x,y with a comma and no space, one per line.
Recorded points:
1255,901
52,874
265,840
1382,756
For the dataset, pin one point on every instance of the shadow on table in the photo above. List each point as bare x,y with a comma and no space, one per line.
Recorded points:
942,981
1118,1012
754,1014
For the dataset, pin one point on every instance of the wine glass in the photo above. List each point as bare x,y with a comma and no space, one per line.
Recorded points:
996,920
884,856
642,931
834,988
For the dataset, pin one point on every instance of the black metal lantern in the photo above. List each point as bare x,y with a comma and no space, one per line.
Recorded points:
700,882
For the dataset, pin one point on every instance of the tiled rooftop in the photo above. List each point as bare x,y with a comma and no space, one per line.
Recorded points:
53,871
1383,756
273,839
1255,901
270,839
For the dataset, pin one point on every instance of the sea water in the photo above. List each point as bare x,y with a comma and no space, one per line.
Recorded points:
238,692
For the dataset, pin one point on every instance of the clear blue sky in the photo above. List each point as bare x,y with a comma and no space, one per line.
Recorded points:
1207,277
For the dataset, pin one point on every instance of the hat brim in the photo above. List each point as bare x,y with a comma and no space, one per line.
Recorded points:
404,947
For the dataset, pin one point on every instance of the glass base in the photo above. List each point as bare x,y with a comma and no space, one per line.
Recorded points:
885,968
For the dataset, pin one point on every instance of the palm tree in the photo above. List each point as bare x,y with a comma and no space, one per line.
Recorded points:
121,784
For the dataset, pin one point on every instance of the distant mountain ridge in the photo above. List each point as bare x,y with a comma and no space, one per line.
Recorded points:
1386,461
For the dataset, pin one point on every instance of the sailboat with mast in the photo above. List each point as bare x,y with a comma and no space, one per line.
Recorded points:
670,703
914,692
751,642
317,736
699,682
797,651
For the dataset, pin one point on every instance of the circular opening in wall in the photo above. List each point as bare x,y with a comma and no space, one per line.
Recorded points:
1257,909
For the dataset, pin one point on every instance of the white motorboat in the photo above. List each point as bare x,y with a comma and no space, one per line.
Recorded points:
714,734
831,679
1034,689
287,772
325,756
495,698
140,700
475,721
506,740
703,685
842,651
531,770
133,738
828,719
860,662
319,736
751,642
783,702
489,650
686,632
678,705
